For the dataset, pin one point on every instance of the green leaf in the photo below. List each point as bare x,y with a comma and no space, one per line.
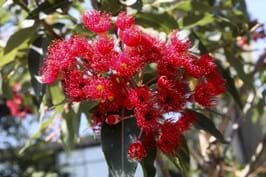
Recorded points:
80,30
2,2
185,6
6,89
206,124
71,123
137,5
115,142
109,6
70,128
196,20
58,97
148,163
49,7
7,58
237,63
231,86
19,37
161,21
34,62
182,159
5,15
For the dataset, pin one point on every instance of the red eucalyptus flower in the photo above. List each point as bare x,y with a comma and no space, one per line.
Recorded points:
124,21
136,151
97,21
115,70
170,137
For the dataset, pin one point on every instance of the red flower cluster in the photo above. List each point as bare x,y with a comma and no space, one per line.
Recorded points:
15,105
110,69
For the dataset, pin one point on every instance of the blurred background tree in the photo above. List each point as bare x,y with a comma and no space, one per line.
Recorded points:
220,27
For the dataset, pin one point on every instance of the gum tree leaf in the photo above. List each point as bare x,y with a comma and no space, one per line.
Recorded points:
49,7
58,98
148,163
35,59
160,21
115,151
191,21
182,159
7,58
19,37
231,86
109,6
70,130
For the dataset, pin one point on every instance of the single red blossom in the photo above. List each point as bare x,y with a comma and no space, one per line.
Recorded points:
168,70
118,98
73,84
126,65
164,82
204,95
178,43
171,95
178,60
16,108
137,151
124,21
206,64
216,82
147,117
79,46
113,119
139,96
104,44
152,48
131,36
102,63
170,137
200,67
114,103
99,88
49,72
61,56
185,121
96,21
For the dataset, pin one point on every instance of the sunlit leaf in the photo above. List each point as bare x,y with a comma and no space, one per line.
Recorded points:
196,20
58,97
19,37
49,7
160,21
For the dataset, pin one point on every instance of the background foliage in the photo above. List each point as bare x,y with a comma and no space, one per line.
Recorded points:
222,28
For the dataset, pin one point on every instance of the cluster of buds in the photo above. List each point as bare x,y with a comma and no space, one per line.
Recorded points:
111,69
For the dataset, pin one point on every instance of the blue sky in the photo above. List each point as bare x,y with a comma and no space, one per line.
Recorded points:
257,11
